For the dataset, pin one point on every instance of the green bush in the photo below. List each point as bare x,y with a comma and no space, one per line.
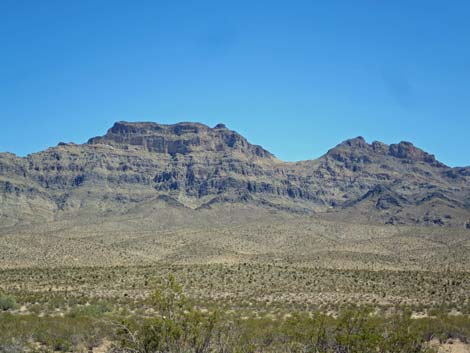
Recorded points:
7,302
177,327
52,333
94,310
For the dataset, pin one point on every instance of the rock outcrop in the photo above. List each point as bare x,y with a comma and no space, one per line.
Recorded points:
182,138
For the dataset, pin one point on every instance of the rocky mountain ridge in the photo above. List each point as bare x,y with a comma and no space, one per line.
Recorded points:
193,166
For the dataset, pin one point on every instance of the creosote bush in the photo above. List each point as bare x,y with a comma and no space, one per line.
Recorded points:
7,302
178,327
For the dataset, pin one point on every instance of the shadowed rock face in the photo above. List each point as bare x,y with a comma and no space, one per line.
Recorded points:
193,166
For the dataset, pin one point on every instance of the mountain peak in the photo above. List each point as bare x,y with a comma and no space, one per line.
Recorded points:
181,138
406,150
148,128
354,148
357,142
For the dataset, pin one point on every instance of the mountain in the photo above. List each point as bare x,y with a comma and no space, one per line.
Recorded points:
191,169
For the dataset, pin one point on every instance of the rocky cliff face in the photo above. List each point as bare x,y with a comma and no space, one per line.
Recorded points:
182,138
190,165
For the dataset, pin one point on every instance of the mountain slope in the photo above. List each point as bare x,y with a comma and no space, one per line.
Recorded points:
192,168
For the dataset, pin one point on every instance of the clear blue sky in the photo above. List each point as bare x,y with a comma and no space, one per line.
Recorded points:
297,77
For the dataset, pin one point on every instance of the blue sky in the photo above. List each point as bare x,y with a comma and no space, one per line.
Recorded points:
296,77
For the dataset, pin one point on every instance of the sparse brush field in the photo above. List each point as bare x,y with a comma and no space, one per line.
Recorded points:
257,308
290,285
260,286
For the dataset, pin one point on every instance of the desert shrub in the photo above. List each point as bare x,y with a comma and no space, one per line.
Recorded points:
179,326
357,331
7,302
97,309
444,327
302,332
402,334
63,334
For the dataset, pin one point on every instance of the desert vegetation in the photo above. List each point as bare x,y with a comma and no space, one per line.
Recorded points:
168,319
